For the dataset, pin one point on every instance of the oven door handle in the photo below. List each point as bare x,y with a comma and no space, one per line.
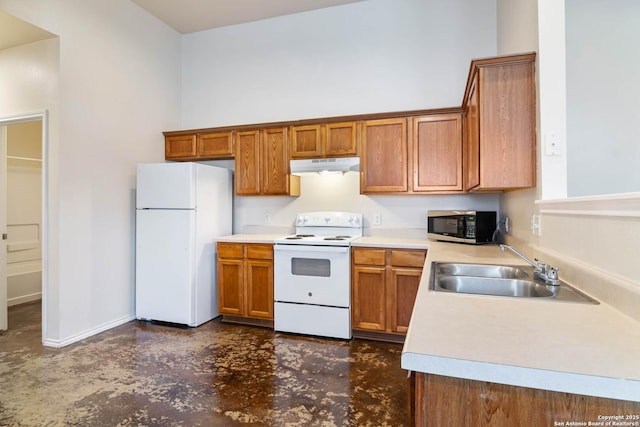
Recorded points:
311,248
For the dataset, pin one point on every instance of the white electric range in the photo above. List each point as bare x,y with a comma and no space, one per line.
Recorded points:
312,275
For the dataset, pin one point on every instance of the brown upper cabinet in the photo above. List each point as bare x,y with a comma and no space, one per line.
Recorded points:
206,146
324,140
499,126
436,147
414,155
180,147
217,144
384,162
262,163
275,163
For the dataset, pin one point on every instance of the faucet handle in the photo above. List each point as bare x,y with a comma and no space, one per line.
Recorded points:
552,277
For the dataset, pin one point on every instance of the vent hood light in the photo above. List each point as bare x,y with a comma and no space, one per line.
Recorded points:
325,166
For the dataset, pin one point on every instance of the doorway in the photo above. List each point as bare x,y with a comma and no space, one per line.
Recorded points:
23,219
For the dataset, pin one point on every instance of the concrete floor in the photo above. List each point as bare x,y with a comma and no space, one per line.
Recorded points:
218,374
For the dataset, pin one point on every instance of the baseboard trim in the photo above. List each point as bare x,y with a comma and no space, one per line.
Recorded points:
24,298
86,334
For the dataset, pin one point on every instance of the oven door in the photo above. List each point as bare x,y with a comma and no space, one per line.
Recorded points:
307,274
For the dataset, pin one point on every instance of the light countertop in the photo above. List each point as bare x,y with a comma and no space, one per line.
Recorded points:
250,238
559,346
392,242
370,241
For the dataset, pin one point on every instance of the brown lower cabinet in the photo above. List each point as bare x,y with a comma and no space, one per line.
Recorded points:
446,401
245,281
384,287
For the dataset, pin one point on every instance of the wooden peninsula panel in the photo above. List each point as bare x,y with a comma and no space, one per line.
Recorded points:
446,401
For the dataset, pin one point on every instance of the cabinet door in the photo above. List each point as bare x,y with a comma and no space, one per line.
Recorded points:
182,146
275,161
259,285
230,286
369,298
384,156
341,139
507,126
306,141
472,139
403,286
247,175
219,144
437,153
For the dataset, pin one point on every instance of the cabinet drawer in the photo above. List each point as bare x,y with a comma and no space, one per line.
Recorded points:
259,251
229,250
369,256
408,258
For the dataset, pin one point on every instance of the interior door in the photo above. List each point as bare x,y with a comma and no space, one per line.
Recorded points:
3,228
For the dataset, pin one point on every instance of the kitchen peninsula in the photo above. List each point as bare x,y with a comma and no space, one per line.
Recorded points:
506,359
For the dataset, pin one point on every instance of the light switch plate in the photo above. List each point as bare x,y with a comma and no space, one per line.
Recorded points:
551,144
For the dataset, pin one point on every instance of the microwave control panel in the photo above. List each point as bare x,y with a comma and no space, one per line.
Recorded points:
470,229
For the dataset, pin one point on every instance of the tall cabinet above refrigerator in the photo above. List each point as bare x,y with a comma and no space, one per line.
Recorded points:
180,209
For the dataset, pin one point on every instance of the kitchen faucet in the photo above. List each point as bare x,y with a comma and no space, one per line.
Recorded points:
542,271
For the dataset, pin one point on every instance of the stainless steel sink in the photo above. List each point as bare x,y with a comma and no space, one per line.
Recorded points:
499,280
493,286
480,270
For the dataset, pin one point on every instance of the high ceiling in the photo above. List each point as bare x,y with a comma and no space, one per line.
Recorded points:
185,16
14,32
188,16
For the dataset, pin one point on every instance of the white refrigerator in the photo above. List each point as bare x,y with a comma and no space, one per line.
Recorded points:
180,210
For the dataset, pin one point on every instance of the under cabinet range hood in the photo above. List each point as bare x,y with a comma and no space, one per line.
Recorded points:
320,166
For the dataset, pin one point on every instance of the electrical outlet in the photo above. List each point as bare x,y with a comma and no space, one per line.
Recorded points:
377,219
505,224
267,217
536,227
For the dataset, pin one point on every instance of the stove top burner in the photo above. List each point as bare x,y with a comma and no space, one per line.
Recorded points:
313,236
324,229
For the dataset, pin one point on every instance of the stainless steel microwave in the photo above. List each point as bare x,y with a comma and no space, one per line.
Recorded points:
472,227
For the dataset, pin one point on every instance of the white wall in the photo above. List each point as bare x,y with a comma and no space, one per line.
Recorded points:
366,57
119,87
603,85
29,78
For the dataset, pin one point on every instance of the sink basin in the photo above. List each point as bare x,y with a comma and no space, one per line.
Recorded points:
481,270
501,281
494,286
